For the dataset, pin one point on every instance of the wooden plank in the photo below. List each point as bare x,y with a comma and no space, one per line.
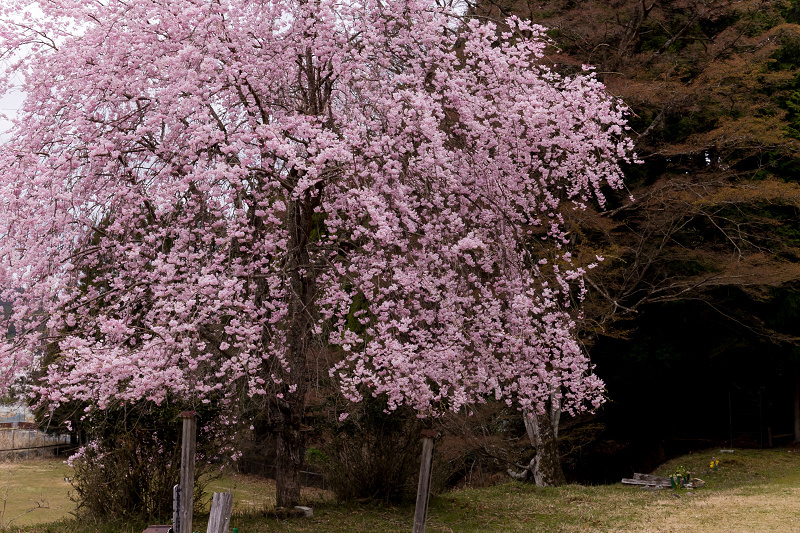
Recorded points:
650,477
188,447
220,517
213,516
158,529
645,482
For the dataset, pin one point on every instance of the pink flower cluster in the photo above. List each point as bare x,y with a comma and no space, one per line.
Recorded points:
163,147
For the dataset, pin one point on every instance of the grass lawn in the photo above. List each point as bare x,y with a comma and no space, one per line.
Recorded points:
753,490
34,491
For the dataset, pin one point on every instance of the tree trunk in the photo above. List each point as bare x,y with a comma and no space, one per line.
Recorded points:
542,429
299,337
291,452
302,306
545,467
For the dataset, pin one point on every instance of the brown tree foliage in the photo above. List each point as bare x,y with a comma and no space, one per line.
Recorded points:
714,89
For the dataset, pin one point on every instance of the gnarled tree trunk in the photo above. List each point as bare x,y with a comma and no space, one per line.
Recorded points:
542,428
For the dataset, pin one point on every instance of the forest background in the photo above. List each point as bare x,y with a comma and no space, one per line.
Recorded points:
692,322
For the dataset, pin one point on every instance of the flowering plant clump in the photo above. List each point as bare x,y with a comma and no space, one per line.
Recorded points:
682,472
680,477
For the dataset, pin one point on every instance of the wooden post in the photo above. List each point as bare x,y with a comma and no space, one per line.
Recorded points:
424,487
220,516
188,446
176,508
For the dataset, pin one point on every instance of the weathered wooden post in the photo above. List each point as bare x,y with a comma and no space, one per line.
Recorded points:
176,508
188,446
220,516
424,487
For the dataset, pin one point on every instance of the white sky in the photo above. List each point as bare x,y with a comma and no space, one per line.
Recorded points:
10,103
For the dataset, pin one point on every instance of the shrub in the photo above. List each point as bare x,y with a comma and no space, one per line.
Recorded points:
372,454
132,463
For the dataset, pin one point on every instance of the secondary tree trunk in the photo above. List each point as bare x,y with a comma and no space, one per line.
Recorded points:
542,429
545,467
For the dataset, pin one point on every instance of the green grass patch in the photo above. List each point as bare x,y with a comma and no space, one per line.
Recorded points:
751,490
34,491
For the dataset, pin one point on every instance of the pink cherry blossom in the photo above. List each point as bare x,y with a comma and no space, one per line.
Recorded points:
198,195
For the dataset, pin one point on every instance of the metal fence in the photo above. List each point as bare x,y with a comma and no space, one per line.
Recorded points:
24,443
266,470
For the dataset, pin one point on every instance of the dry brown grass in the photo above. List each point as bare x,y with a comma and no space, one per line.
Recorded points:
732,511
253,494
752,491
